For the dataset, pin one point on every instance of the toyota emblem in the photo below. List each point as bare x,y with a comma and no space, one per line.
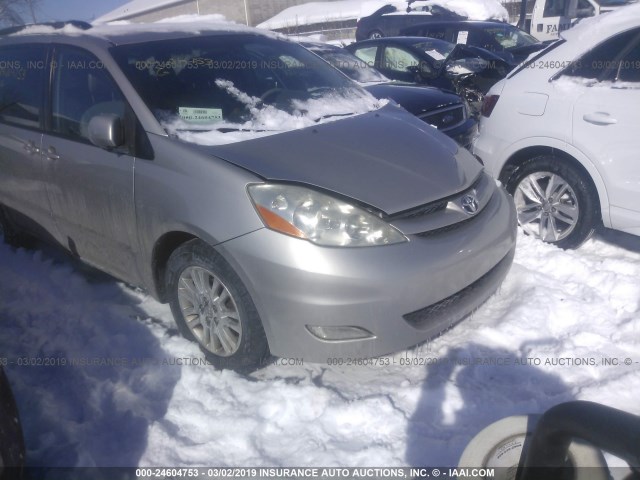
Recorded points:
470,204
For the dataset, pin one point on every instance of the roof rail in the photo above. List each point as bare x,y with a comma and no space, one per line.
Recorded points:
56,25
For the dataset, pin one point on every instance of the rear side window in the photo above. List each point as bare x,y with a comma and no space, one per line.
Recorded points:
601,63
367,55
22,76
436,32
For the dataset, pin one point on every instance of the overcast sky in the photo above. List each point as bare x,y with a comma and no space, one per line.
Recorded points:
51,10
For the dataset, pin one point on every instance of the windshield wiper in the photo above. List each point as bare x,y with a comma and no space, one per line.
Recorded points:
10,104
331,115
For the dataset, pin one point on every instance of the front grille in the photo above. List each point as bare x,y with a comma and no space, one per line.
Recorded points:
460,304
422,210
433,207
450,228
445,118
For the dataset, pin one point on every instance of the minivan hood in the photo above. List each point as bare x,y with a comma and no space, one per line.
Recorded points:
387,159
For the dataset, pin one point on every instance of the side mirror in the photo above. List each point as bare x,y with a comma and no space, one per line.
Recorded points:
427,72
106,131
424,71
585,12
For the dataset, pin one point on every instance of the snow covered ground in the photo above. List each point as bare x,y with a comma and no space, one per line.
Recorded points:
541,340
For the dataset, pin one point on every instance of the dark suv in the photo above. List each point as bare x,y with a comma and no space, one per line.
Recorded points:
388,21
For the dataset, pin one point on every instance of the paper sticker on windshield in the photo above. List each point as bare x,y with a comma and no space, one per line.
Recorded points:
200,115
462,37
436,55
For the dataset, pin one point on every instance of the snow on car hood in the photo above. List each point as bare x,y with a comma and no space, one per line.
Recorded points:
268,119
387,159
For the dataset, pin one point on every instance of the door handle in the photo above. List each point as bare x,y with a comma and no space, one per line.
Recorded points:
30,148
599,118
51,154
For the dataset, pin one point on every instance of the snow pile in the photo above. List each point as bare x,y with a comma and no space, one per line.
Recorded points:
550,334
192,24
578,85
319,12
215,18
473,9
269,120
48,30
133,8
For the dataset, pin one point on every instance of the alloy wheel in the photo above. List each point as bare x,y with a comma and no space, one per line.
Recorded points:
210,311
547,206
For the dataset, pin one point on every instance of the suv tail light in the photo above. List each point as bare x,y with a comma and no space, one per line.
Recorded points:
488,104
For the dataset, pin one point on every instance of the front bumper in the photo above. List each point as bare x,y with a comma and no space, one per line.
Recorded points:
489,149
404,294
464,134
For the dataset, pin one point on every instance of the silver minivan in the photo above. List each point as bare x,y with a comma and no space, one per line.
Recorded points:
278,207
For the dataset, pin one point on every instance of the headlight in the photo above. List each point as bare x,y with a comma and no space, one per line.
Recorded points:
319,218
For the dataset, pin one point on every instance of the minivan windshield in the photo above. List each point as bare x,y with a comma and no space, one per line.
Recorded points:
231,82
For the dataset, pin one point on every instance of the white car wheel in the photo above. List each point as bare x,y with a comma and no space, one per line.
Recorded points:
501,445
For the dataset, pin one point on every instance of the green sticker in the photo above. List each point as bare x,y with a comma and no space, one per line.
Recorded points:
200,115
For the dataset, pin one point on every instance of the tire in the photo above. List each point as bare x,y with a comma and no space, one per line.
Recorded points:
555,201
11,235
375,34
12,450
212,307
501,444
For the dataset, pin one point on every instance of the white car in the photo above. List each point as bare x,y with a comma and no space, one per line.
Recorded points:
562,132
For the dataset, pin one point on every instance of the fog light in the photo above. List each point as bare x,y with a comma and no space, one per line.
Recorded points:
335,334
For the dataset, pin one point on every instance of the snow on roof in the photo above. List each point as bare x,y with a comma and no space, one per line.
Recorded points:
135,7
473,9
192,24
319,12
593,28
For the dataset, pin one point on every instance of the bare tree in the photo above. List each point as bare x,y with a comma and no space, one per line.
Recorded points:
10,12
32,5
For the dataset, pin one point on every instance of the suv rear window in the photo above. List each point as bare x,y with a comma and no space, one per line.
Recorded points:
22,70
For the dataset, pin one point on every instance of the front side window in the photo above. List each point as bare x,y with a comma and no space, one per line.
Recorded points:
555,8
399,60
22,78
585,9
82,89
629,65
503,37
435,49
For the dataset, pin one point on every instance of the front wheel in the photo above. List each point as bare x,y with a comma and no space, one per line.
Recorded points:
555,201
12,235
212,307
375,34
